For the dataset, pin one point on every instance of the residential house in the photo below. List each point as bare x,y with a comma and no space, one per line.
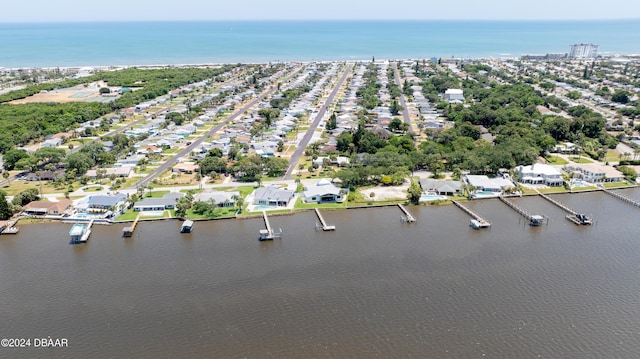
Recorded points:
220,198
124,171
46,208
44,175
483,183
105,202
540,174
52,142
444,188
168,201
324,192
186,167
454,96
595,173
272,196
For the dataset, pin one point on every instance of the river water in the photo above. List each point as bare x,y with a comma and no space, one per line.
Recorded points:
374,288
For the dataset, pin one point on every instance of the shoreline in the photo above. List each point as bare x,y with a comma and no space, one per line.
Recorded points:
277,213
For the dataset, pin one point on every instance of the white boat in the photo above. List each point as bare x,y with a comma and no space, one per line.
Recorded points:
475,224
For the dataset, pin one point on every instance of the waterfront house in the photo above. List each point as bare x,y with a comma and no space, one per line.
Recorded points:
168,201
104,202
540,174
219,198
441,187
42,208
272,196
483,183
324,192
595,173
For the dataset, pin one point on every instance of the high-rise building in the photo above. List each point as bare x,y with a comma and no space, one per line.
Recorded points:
583,51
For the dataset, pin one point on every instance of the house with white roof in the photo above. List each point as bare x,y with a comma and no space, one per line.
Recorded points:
219,198
483,183
540,173
595,173
272,196
454,96
324,192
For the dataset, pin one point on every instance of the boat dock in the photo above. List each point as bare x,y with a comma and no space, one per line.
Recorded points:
406,217
323,225
573,216
128,231
10,228
80,233
534,219
187,226
477,222
268,233
622,197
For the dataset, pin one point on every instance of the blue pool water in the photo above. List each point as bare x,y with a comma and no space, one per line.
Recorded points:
579,183
264,208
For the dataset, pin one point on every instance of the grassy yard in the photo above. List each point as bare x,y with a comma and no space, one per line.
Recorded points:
301,205
559,189
612,156
554,160
580,160
129,215
47,187
618,184
156,194
93,188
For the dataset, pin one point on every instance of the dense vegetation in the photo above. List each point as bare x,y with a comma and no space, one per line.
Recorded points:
21,124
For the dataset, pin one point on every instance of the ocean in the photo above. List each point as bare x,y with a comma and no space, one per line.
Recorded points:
151,43
374,288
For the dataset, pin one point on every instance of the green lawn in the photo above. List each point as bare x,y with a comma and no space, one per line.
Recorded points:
129,215
156,194
553,160
301,205
580,160
93,188
612,156
618,184
559,189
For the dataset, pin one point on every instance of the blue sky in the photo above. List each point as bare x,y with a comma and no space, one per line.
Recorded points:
145,10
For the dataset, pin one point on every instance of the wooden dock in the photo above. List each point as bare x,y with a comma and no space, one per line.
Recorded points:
10,227
268,233
534,219
573,216
622,197
406,217
323,225
479,221
128,231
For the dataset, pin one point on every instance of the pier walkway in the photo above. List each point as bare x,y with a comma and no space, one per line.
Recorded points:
534,219
268,233
407,217
622,197
10,227
573,216
128,231
323,225
480,222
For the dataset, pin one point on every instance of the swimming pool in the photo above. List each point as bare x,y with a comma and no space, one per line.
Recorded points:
486,194
579,183
264,208
431,197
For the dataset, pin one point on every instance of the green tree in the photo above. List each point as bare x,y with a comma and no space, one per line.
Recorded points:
414,192
620,96
5,211
574,95
25,197
12,156
49,154
332,124
80,162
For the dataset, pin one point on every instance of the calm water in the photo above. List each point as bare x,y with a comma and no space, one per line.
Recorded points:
136,43
375,288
